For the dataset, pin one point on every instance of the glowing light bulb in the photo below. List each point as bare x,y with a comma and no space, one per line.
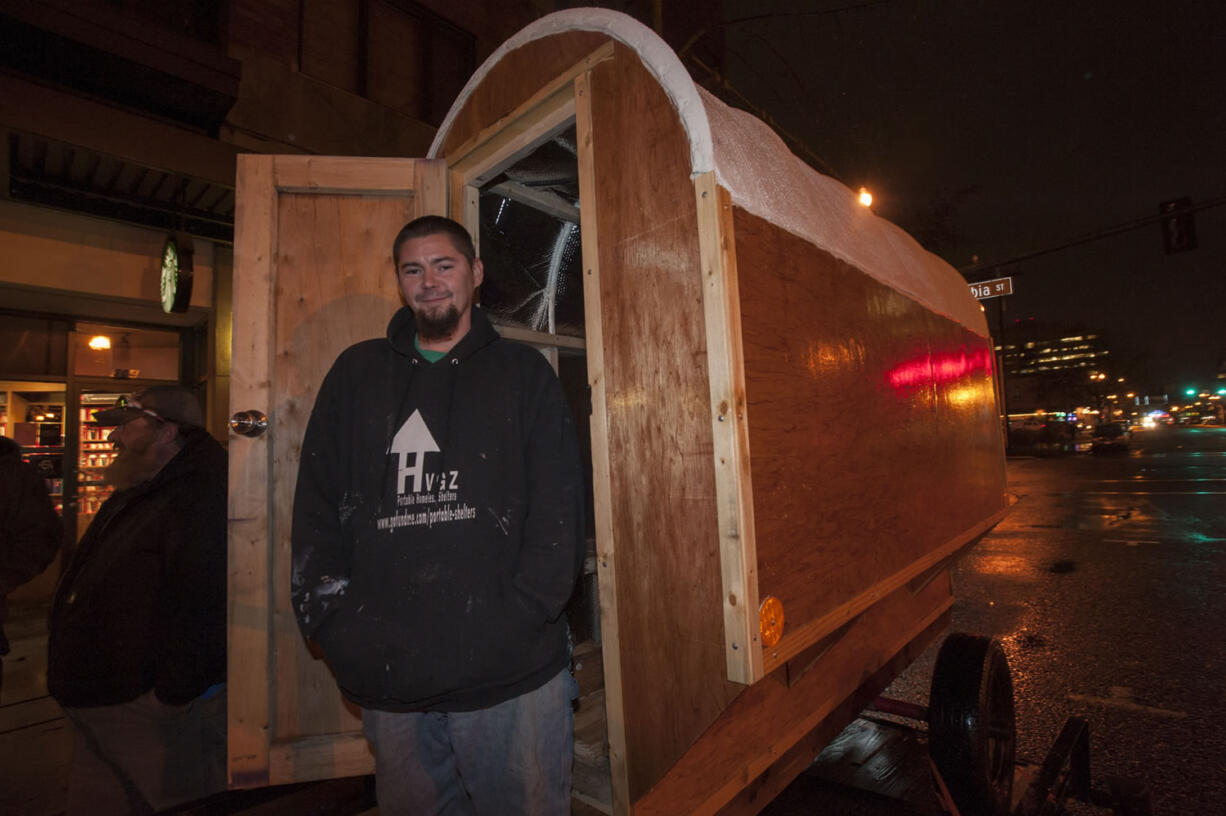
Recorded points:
100,342
866,198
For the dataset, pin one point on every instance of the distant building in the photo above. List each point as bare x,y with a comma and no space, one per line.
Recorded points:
1055,367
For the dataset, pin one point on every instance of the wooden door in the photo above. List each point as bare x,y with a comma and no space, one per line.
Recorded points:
313,274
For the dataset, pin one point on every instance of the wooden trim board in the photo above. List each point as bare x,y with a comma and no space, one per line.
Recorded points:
729,430
606,562
797,640
502,145
499,144
327,757
344,176
249,605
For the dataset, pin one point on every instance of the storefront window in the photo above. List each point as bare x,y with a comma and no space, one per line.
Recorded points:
32,415
125,353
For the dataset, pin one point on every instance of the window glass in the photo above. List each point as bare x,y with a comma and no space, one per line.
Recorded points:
126,353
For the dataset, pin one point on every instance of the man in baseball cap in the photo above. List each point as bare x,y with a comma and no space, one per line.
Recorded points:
171,403
137,653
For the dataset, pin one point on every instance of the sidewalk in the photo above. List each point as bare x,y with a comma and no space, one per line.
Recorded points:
35,740
36,748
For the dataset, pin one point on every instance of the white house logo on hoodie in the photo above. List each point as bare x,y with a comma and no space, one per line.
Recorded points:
412,442
434,493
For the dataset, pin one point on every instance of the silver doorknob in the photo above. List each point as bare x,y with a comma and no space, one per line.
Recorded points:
249,423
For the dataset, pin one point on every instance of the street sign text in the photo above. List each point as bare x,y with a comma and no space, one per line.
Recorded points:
992,288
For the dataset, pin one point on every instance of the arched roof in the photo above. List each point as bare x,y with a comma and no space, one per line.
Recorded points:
762,176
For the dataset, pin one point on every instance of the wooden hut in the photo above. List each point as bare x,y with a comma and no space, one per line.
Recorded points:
793,425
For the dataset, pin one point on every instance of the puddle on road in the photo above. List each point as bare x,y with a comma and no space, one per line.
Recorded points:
1030,641
1109,518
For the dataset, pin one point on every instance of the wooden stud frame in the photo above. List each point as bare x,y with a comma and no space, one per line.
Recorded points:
602,478
729,431
250,558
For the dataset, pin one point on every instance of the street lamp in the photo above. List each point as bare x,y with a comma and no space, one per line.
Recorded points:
866,198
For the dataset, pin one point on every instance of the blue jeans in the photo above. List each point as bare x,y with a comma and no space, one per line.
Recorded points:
512,758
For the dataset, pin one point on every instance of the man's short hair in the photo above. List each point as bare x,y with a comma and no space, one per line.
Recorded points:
433,225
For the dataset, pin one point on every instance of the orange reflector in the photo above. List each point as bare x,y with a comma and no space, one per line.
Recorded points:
770,621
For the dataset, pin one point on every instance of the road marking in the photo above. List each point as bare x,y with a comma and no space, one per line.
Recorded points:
1128,542
1121,697
1143,480
1147,493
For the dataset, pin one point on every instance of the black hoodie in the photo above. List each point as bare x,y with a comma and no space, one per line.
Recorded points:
437,529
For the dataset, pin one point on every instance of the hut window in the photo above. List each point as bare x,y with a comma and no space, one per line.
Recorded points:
529,238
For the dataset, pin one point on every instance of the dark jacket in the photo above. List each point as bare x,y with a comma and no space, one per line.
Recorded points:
142,604
437,529
30,530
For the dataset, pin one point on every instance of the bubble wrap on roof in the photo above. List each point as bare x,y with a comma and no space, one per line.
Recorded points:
654,53
766,179
760,173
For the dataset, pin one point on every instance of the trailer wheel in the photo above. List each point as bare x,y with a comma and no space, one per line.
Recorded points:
971,731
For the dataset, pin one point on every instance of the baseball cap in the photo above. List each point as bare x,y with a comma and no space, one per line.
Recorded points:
168,403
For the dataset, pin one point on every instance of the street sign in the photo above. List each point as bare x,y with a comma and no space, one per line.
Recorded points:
992,288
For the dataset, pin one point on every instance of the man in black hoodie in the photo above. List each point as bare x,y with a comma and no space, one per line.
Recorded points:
437,536
137,650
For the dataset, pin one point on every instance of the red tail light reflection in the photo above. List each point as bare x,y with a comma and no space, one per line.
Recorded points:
940,368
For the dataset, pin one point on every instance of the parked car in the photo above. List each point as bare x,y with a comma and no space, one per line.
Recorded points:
1110,436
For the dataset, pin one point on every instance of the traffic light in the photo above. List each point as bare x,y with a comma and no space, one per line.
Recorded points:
1179,227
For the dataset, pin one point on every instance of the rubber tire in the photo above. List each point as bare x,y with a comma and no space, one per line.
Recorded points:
972,734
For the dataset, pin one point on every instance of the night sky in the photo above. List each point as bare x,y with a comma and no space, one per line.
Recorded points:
994,129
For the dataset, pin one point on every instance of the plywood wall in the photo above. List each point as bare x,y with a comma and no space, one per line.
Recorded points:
872,426
670,613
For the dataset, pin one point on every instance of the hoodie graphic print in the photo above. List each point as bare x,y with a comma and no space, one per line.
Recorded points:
427,497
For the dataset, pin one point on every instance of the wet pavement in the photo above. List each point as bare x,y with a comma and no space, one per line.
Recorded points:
1107,587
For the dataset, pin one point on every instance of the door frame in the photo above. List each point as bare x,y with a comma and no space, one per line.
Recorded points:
561,102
